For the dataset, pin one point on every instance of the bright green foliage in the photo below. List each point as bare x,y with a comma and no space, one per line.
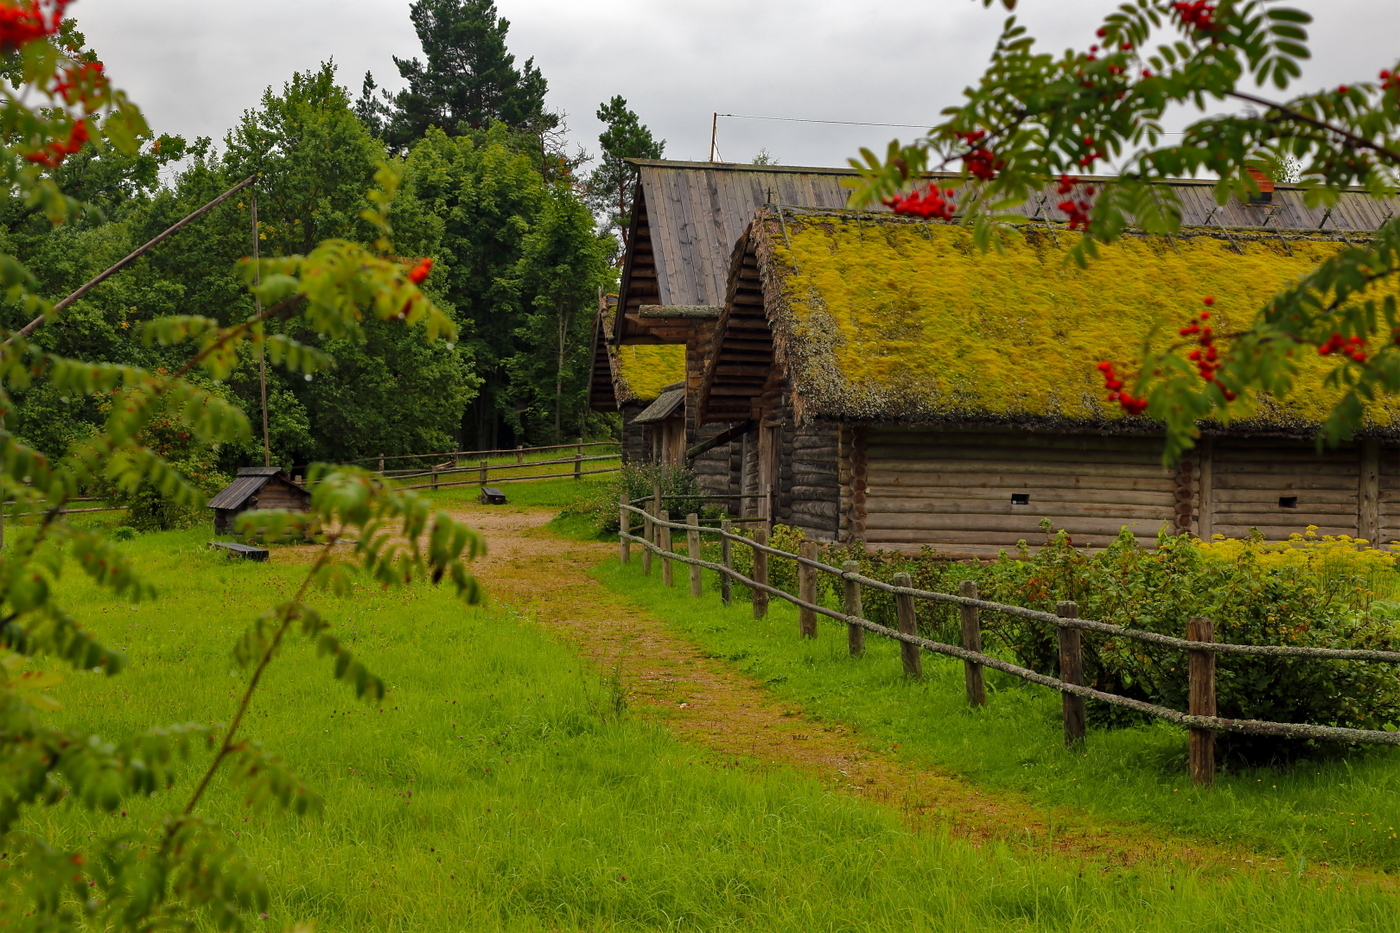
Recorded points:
151,418
611,184
1034,118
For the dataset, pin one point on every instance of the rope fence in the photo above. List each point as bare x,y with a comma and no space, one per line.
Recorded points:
1202,650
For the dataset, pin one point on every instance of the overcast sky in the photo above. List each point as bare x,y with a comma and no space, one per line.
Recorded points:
195,65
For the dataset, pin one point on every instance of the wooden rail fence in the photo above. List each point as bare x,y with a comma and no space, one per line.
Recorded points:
1200,719
454,455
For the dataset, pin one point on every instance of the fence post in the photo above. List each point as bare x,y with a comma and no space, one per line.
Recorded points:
578,465
807,590
908,625
624,528
1071,672
485,471
435,478
519,453
692,550
1202,667
855,635
649,534
760,573
972,641
580,447
726,557
381,464
668,574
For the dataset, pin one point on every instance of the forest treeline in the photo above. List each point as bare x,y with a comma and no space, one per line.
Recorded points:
522,241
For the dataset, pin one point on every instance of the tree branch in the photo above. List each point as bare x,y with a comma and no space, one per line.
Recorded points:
1359,141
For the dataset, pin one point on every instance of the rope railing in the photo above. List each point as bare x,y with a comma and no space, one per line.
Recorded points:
1202,722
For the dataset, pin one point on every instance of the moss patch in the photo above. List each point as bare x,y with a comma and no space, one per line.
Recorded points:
897,320
643,371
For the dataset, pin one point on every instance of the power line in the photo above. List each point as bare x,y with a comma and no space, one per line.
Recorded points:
746,116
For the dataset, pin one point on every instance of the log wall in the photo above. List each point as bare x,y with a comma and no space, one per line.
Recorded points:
1282,486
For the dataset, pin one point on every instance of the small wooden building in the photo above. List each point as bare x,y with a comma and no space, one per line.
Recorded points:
629,380
907,389
257,488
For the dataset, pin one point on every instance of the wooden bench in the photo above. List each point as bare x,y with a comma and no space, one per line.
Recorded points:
245,551
491,496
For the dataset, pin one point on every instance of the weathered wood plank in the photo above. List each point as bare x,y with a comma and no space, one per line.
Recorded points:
994,467
973,509
1014,524
921,452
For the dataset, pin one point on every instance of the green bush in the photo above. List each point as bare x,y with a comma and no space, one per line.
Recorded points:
1251,599
678,486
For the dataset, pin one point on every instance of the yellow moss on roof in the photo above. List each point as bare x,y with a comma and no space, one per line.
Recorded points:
643,371
894,320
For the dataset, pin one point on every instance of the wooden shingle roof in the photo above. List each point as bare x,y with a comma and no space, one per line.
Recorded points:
249,482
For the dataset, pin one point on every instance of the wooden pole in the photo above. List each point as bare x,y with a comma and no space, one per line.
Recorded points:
381,464
855,635
760,574
807,590
692,550
972,641
648,533
485,471
578,467
668,574
909,625
1202,667
262,333
519,453
624,528
1071,672
435,478
726,557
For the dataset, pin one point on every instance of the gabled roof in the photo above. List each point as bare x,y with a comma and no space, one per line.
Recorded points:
664,407
249,482
688,216
881,319
632,373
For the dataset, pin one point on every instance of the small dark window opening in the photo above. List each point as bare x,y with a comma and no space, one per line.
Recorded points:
1020,498
1288,502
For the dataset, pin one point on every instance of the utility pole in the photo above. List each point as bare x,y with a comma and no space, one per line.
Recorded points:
262,342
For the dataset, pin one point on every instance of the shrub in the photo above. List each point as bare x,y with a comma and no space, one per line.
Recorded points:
638,480
1313,593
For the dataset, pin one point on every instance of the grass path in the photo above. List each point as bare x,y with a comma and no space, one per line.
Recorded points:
707,701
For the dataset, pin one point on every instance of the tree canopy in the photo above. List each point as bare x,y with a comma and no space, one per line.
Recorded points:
611,184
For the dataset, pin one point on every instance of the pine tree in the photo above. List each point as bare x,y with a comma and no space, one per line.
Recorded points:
611,184
468,80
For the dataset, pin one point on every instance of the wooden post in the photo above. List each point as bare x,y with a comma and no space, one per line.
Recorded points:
578,466
726,557
624,528
760,573
381,464
855,635
1071,672
807,590
1202,667
519,453
692,550
972,641
909,625
485,471
580,447
435,478
649,534
663,534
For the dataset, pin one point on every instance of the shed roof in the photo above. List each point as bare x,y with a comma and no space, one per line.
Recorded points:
664,407
881,319
249,482
689,215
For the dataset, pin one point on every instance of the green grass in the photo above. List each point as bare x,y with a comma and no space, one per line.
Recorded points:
503,470
494,789
1341,811
549,493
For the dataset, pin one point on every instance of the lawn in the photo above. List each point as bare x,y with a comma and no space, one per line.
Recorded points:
1340,811
498,787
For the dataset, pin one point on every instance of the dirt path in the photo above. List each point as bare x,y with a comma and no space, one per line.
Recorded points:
708,702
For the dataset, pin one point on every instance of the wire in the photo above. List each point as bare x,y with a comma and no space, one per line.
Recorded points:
795,119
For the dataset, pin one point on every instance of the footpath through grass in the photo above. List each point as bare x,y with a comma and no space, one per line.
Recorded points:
496,788
1339,812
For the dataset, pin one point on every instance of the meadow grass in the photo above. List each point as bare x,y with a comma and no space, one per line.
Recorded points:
499,787
1342,811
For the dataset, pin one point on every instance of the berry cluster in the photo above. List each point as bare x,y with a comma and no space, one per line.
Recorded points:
930,204
1116,393
419,274
55,152
1390,80
77,83
1076,209
22,23
1199,14
981,162
1354,347
1091,154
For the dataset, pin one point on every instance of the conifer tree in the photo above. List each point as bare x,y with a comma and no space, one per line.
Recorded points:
611,184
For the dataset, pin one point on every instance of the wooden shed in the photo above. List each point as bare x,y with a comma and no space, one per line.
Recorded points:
257,488
910,390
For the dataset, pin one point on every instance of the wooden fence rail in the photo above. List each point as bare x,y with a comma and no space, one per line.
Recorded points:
463,454
477,467
1200,720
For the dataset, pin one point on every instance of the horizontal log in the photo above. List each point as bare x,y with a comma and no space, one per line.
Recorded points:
1010,438
1002,539
1338,468
827,452
1039,494
826,440
970,508
1285,483
815,493
1309,497
1278,532
817,509
1329,513
999,467
1016,524
891,454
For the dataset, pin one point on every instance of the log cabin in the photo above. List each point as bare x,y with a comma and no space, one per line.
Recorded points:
257,488
630,380
909,390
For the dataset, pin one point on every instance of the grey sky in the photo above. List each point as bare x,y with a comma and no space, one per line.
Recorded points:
195,65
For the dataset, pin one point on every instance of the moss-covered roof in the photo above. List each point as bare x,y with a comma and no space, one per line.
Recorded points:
884,319
644,370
